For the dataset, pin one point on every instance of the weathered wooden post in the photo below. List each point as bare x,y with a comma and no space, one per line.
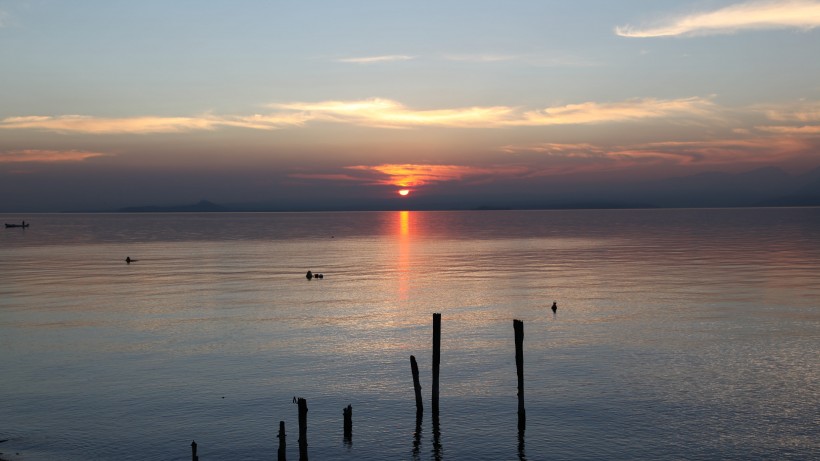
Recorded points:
281,436
518,325
348,424
436,358
414,367
303,409
194,457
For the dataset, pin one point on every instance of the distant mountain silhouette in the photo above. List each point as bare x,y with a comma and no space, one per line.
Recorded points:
806,192
718,189
203,206
768,186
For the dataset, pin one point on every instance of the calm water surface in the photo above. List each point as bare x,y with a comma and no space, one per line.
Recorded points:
680,334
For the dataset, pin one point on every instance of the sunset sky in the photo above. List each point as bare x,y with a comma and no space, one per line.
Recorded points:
106,104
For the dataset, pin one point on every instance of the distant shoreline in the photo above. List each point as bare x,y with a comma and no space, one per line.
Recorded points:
229,210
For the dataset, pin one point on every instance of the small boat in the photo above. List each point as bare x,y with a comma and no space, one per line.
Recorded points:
24,225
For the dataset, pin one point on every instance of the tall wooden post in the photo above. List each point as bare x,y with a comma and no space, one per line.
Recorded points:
303,409
194,457
348,423
436,358
282,456
414,367
518,325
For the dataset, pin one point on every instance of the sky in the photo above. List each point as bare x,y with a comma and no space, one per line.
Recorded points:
107,104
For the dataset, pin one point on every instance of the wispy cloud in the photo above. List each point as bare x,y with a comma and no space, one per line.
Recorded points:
798,130
803,111
569,150
144,125
388,113
481,57
380,113
97,125
377,59
797,119
573,158
47,156
530,60
593,112
326,176
757,15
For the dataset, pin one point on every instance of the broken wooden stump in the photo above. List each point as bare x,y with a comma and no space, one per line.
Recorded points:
281,453
414,367
348,423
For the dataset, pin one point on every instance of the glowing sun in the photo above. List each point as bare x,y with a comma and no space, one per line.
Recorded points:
404,192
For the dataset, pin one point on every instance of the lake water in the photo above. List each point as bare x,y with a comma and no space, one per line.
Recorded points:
680,334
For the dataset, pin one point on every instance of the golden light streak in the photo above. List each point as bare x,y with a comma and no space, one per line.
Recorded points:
47,156
756,15
386,113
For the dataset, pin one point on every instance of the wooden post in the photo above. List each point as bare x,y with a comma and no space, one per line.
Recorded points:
281,436
303,409
518,325
436,358
348,423
194,457
414,367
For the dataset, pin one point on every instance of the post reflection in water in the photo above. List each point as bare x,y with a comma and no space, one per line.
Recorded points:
417,436
436,438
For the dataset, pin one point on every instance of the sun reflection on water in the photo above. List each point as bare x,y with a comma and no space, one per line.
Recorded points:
403,261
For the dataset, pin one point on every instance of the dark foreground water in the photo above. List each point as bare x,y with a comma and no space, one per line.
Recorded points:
680,334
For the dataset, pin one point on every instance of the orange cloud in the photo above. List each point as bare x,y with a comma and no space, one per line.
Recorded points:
415,175
755,15
46,156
